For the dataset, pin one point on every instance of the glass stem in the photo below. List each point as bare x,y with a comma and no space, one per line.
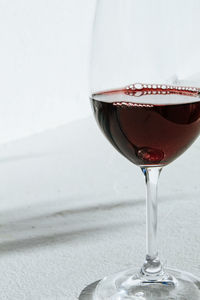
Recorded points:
152,268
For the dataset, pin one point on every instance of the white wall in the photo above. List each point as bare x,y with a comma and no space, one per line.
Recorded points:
44,46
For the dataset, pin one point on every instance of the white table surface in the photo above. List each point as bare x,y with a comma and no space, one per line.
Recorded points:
73,211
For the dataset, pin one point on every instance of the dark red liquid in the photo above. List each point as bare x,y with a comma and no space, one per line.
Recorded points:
146,133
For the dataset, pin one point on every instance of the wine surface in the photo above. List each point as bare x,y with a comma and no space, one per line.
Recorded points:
149,124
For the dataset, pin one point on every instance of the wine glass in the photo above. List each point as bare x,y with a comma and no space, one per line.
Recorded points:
145,87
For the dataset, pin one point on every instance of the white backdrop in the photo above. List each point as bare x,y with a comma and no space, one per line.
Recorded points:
43,64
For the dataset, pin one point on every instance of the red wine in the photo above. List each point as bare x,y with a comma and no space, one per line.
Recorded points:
149,124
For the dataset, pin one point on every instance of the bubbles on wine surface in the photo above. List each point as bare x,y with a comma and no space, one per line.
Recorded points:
130,104
137,86
156,94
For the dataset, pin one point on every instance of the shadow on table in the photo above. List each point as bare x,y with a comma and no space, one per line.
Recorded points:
51,223
29,228
88,292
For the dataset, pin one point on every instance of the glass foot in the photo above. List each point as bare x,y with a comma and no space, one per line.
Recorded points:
178,285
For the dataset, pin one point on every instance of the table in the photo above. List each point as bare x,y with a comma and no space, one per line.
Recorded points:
73,210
